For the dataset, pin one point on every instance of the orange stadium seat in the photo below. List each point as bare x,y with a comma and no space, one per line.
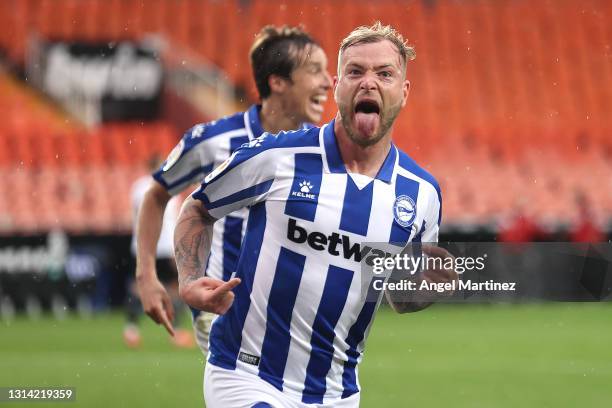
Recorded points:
505,100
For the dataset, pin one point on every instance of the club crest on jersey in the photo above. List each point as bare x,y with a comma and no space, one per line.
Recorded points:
174,155
305,187
404,211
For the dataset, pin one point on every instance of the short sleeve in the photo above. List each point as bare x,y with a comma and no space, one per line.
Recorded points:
190,160
433,217
243,180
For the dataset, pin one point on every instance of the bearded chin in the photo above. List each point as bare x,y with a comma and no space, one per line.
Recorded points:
386,121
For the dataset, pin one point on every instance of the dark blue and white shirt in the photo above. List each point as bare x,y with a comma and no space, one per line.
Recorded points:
201,149
299,320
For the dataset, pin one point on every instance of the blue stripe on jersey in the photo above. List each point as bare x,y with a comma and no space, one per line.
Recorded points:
304,194
406,162
248,192
419,235
282,140
409,187
236,142
187,177
281,301
204,131
226,332
335,292
386,170
232,234
355,336
356,208
334,160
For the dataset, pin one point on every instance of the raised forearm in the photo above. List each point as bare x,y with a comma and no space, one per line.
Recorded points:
422,296
407,302
192,241
148,228
406,306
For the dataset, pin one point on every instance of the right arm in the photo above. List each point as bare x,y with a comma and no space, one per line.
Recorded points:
244,179
192,241
148,229
168,181
154,297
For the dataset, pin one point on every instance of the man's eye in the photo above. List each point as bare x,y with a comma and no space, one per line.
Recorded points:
354,72
385,74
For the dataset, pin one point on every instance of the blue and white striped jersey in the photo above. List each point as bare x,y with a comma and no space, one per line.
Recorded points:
201,149
299,320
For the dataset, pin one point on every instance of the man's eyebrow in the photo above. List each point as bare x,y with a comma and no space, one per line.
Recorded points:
354,64
376,68
379,67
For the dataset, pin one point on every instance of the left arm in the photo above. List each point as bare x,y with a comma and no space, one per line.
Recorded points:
420,300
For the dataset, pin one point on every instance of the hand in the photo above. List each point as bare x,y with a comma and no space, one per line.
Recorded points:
156,302
209,294
439,275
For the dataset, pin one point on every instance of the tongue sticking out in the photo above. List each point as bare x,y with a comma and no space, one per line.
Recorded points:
366,122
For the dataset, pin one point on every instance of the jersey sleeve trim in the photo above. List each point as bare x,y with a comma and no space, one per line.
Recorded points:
248,192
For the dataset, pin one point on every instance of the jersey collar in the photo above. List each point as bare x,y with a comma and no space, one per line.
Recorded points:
334,160
252,123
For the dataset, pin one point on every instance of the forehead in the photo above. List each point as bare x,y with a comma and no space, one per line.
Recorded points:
312,54
372,54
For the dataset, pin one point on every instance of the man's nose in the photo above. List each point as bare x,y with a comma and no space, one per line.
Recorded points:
368,82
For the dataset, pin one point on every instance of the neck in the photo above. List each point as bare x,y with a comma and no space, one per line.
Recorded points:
273,117
358,159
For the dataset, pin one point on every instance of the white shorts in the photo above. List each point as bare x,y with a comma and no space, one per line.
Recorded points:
238,389
201,327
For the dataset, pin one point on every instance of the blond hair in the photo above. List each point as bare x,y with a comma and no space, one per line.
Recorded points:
375,33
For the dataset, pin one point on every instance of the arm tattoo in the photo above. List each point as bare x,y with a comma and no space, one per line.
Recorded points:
193,237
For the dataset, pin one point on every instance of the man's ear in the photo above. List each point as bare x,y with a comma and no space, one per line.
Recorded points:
277,84
406,91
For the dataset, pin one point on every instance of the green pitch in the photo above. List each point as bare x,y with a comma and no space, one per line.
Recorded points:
470,356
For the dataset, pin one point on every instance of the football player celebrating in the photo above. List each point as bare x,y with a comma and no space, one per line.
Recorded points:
293,320
290,71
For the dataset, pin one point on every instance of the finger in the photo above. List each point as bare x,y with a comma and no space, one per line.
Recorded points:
210,283
166,322
152,312
227,286
168,307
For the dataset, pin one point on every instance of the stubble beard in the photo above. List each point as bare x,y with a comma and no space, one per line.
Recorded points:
386,121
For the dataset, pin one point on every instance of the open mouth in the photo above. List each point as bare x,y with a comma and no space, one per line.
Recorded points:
367,106
367,116
318,99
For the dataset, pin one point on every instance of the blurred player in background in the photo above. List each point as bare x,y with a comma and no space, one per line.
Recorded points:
164,264
290,71
293,320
